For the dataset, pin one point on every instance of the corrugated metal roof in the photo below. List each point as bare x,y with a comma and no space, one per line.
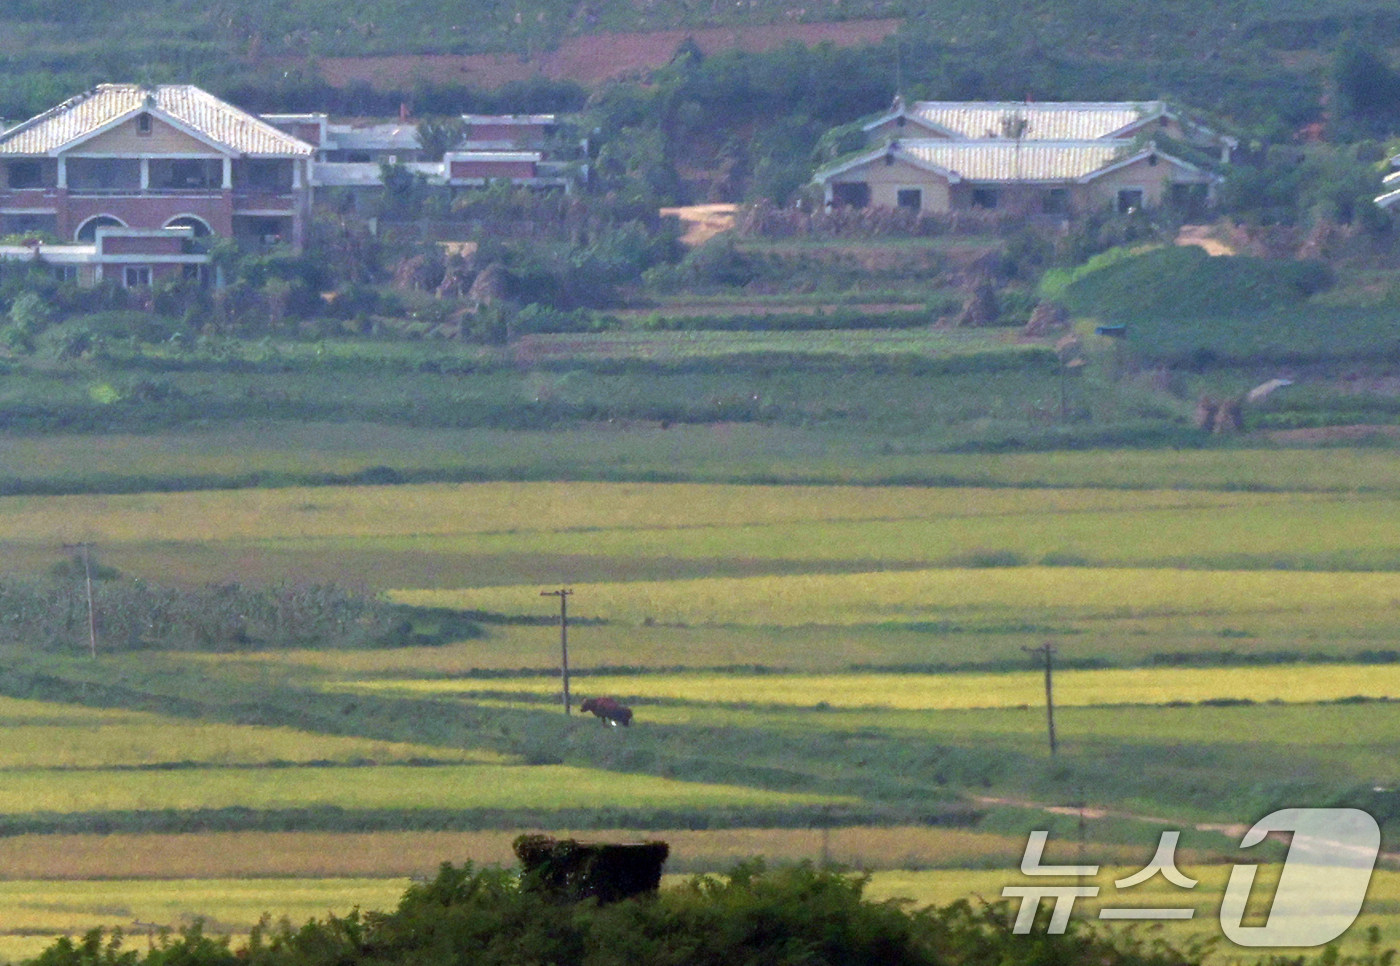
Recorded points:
366,174
1058,121
521,119
496,156
84,115
1010,161
374,137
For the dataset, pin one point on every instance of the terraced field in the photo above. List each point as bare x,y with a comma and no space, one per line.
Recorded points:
799,656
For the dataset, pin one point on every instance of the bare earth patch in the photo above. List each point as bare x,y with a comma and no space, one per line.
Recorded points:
1200,236
587,59
703,222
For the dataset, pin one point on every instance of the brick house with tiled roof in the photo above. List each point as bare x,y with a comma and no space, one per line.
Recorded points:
139,157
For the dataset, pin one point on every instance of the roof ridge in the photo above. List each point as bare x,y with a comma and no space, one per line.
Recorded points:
52,112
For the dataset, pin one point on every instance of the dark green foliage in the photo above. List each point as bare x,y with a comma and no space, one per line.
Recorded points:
571,871
438,135
1301,187
785,917
51,615
1367,98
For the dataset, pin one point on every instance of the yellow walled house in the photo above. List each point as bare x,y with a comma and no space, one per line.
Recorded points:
128,156
1059,179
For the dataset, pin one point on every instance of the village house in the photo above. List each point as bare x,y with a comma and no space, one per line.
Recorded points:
1058,179
1055,160
132,257
507,148
1391,182
1048,121
128,156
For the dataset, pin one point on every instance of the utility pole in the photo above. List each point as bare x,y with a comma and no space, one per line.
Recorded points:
1047,650
563,595
85,548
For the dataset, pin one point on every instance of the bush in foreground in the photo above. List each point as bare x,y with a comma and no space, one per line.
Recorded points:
796,915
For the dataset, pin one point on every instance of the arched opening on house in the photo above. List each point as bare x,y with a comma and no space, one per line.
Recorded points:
200,226
87,231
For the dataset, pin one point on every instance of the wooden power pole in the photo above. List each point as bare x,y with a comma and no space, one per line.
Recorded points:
1047,650
563,595
86,548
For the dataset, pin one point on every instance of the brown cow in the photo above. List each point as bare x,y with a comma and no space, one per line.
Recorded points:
609,710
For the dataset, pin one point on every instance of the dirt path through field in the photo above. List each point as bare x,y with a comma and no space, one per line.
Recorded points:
1233,830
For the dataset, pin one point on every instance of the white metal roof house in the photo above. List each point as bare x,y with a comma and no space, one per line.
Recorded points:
1047,121
1391,182
1030,178
150,157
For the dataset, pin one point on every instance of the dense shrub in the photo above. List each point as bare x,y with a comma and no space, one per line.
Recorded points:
51,614
752,915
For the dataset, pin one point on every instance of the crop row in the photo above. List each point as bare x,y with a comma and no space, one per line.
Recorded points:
946,692
553,508
238,855
250,453
544,787
966,530
1025,593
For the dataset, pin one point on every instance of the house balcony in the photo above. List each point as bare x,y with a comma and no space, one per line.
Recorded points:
252,199
139,192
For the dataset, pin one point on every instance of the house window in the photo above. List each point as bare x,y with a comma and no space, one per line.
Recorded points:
984,198
852,194
23,222
1056,201
143,125
186,173
1129,200
25,174
911,198
137,276
66,273
1189,200
263,174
